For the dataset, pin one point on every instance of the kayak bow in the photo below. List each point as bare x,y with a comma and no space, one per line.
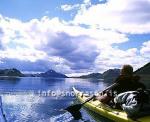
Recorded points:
106,111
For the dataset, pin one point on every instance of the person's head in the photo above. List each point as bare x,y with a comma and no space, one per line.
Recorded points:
127,70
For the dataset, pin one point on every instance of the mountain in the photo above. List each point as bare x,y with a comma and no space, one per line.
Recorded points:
111,74
144,73
53,74
93,75
10,72
145,70
108,75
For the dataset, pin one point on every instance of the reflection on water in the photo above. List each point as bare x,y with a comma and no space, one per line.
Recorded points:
20,107
9,80
22,99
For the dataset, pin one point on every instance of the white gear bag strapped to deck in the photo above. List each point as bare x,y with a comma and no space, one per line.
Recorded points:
134,103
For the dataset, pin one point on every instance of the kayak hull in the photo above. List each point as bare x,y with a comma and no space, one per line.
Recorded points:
105,110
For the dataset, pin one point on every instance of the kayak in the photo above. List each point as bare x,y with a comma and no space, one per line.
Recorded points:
2,116
106,111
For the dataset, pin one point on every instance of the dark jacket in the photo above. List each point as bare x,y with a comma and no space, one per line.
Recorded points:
127,83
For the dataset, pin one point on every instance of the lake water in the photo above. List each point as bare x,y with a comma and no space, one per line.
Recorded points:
33,99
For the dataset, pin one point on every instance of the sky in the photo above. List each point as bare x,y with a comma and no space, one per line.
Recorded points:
74,37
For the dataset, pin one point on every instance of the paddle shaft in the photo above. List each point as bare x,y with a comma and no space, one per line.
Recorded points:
109,87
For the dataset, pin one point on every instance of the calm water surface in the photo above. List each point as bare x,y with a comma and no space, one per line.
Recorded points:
32,99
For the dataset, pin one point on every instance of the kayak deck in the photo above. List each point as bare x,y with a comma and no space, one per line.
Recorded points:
105,110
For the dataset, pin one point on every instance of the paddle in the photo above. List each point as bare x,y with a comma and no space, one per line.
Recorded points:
75,109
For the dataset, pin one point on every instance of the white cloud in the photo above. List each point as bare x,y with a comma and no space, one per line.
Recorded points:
84,5
63,46
87,2
23,54
47,12
145,50
128,16
67,7
115,58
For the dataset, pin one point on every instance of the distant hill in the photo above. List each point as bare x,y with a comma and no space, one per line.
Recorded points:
17,73
110,75
93,75
144,72
10,72
53,74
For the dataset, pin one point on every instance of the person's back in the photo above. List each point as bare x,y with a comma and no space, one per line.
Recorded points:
137,84
127,85
126,81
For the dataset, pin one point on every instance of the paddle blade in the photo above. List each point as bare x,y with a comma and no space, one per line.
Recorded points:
75,111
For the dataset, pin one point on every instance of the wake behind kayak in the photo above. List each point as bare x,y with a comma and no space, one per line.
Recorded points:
65,117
